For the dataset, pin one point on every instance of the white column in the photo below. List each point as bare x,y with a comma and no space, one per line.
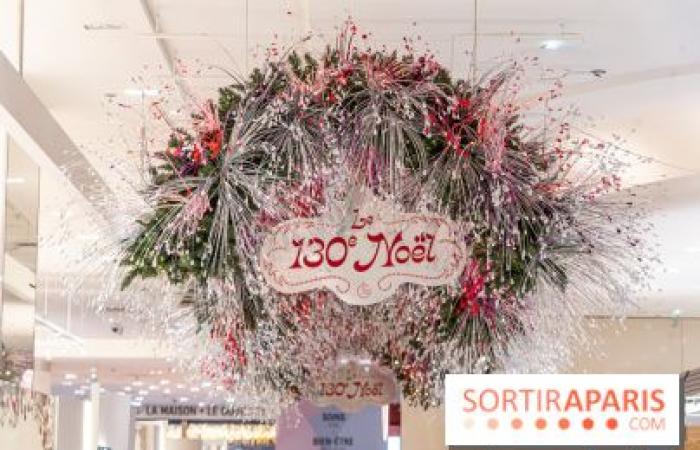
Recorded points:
69,423
115,422
91,417
4,147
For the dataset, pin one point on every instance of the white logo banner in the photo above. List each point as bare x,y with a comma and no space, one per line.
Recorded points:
562,410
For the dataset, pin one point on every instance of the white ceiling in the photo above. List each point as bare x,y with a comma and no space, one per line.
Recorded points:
649,96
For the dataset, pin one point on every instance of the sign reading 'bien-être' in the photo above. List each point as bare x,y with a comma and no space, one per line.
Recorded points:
488,411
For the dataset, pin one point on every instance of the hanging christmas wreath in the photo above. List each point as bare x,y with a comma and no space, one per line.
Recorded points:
302,136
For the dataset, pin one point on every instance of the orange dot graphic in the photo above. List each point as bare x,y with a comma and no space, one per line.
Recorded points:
493,424
587,424
611,424
564,424
517,424
541,424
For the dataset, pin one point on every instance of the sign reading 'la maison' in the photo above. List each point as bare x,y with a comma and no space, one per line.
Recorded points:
192,411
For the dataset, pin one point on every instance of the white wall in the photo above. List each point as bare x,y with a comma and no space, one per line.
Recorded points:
25,436
69,423
114,425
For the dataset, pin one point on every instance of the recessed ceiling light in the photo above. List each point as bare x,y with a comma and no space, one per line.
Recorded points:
135,92
553,44
184,399
103,26
70,376
166,391
164,382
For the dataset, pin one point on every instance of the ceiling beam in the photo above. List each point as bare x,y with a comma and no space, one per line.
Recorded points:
36,131
163,47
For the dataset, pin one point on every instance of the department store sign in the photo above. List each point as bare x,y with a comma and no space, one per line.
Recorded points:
511,411
310,427
186,411
362,256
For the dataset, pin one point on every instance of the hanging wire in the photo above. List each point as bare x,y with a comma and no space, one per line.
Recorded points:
247,47
475,41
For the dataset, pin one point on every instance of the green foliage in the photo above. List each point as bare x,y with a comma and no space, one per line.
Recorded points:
513,261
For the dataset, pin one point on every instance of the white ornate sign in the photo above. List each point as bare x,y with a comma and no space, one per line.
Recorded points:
362,257
354,386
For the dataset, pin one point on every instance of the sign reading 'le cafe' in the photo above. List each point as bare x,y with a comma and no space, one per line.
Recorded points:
209,412
362,257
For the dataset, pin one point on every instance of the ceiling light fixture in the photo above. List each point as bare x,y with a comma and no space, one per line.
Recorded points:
105,26
135,92
553,44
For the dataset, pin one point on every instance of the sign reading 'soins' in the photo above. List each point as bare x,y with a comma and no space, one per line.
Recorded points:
633,411
364,257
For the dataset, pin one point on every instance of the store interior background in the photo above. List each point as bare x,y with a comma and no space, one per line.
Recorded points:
632,65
